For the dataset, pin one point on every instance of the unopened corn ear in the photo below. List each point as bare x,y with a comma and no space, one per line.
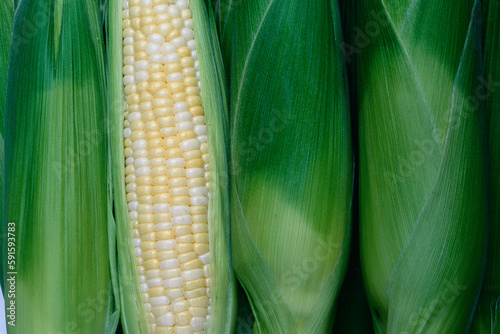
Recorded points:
57,201
6,25
487,315
423,219
169,131
292,170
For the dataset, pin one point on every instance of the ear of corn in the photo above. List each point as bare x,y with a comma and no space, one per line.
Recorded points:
486,318
175,265
291,159
7,13
57,199
422,164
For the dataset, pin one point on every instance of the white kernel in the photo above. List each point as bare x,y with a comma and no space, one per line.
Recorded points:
175,162
134,215
181,220
184,126
191,44
140,154
168,48
198,191
190,275
206,270
188,23
179,41
178,22
128,41
161,9
200,130
162,207
179,210
163,226
141,65
205,258
202,139
138,252
197,75
166,320
159,301
190,144
144,287
198,323
155,282
194,54
129,161
156,59
125,4
173,283
168,132
195,172
169,264
137,242
179,306
197,65
172,58
128,80
134,116
156,38
143,171
143,279
153,48
146,3
132,206
175,77
165,28
163,245
187,33
141,162
182,4
141,76
199,200
181,106
174,11
183,116
127,132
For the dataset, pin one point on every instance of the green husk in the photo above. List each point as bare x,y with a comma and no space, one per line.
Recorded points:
486,319
223,281
57,196
422,163
6,25
292,171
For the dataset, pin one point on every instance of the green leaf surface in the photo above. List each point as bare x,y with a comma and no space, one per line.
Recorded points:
56,171
291,160
422,163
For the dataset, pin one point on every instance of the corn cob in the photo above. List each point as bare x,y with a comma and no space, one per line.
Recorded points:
291,159
423,198
486,318
175,266
58,278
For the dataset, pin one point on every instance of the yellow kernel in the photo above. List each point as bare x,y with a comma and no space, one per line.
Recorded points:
199,301
150,274
148,245
196,293
185,238
135,23
158,76
151,125
166,255
193,154
199,210
146,218
143,180
182,318
146,199
172,68
177,182
146,228
185,135
149,237
164,111
155,142
162,217
196,182
160,180
171,142
193,264
174,33
133,99
179,97
151,318
193,101
158,171
131,197
150,254
184,51
160,102
165,235
201,237
186,257
176,87
182,248
176,172
137,125
195,163
150,29
159,190
180,200
158,311
143,190
175,293
191,90
201,249
140,45
164,92
171,273
200,218
194,284
173,153
191,81
198,311
187,62
157,291
156,86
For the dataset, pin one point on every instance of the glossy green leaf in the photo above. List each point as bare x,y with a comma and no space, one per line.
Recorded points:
57,197
487,316
292,170
6,25
422,163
